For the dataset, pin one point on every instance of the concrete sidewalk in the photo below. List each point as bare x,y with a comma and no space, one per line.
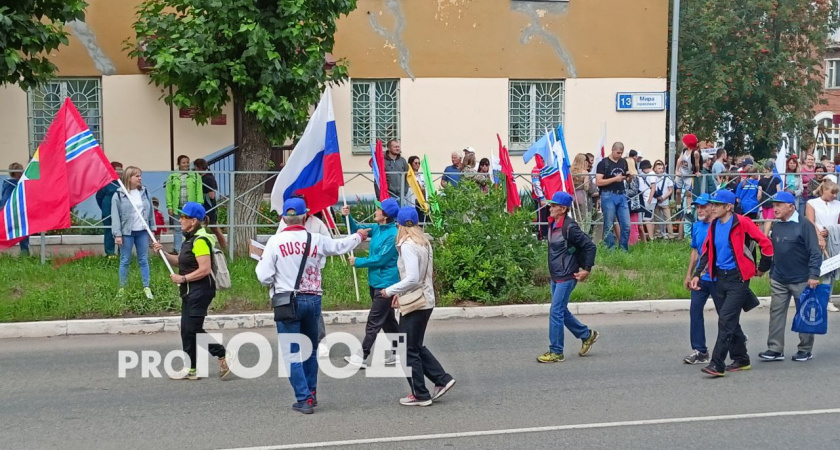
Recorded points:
141,325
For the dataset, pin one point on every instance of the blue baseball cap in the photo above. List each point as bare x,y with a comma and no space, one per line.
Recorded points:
294,207
561,198
702,200
723,196
407,216
390,207
193,210
783,197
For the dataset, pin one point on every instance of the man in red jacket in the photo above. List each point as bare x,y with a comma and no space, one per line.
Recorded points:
729,256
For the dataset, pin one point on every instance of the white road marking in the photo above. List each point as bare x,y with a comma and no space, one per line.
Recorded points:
582,426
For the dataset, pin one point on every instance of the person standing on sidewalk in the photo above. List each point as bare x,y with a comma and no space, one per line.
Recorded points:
382,272
181,187
129,229
571,255
288,268
416,270
609,176
728,256
796,267
197,286
699,297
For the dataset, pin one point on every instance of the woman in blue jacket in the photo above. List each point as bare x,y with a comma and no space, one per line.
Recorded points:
382,272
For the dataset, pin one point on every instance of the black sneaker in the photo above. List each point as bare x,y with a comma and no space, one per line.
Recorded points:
802,356
697,358
304,407
738,366
713,371
770,355
314,399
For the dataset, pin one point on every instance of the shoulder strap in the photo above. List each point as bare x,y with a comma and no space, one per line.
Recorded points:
303,260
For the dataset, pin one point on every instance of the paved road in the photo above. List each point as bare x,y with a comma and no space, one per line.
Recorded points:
65,393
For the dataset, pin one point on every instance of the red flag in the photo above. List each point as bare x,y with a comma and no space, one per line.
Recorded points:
549,178
88,170
513,200
329,220
41,199
379,171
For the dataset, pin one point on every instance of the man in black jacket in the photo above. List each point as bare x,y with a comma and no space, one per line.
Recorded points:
796,267
571,255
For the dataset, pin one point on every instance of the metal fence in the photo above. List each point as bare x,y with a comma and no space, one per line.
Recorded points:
87,216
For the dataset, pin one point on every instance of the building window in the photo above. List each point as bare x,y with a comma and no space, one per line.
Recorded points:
832,74
827,137
534,107
47,98
376,112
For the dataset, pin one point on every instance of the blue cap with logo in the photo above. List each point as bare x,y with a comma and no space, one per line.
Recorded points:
561,198
294,207
193,210
702,200
407,216
390,207
723,196
783,197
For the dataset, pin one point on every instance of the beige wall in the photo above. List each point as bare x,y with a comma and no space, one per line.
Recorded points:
136,126
14,144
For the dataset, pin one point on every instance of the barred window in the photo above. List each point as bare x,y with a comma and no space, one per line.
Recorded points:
46,99
534,107
376,112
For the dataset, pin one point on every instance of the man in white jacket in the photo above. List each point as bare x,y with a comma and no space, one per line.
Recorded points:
278,268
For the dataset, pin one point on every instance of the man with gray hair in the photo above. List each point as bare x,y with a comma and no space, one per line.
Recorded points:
452,174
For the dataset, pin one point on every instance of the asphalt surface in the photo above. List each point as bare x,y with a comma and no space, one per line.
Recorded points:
65,393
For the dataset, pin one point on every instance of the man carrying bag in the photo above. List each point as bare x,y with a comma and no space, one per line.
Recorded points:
291,266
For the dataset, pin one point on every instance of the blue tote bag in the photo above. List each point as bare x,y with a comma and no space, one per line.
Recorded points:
812,312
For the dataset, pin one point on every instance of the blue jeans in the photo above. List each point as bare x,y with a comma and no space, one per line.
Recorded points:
108,240
697,328
177,234
615,206
139,240
560,316
24,246
303,376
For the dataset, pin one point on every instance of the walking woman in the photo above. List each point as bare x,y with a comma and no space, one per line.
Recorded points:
129,229
382,272
415,265
197,286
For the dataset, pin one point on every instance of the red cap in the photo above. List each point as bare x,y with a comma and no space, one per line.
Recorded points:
690,141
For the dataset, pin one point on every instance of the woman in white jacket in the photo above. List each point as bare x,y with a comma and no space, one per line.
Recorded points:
415,264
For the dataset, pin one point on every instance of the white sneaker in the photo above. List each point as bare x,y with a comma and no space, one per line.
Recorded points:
323,352
392,360
357,361
832,308
148,293
184,375
412,401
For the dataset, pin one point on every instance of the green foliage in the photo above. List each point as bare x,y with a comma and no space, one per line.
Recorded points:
482,252
754,65
29,31
269,54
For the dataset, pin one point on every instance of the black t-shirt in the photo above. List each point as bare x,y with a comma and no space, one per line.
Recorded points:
209,185
769,186
610,169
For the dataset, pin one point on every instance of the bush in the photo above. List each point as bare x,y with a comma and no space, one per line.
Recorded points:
482,253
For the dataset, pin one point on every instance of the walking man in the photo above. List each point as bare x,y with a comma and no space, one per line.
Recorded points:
609,177
796,267
729,259
571,255
697,329
291,264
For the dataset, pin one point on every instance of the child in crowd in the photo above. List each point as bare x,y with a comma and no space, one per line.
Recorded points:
158,219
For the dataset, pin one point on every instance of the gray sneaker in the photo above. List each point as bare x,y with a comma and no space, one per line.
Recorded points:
696,358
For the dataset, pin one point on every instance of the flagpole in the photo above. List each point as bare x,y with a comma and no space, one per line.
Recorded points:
145,225
347,219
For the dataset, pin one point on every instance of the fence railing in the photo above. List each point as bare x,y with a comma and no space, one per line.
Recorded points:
87,217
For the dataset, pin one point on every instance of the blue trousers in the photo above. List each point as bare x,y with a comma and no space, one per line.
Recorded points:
560,316
614,206
139,240
303,376
697,328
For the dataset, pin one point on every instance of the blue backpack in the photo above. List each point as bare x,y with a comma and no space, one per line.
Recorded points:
812,312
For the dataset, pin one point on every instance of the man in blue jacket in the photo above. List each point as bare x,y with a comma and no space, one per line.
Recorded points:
103,199
571,255
382,273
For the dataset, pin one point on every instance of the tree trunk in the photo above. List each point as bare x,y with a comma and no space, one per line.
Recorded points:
252,155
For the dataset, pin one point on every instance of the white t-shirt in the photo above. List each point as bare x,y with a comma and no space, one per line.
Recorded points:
136,197
647,183
666,185
825,214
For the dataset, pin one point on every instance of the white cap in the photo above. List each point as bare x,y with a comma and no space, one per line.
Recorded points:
469,150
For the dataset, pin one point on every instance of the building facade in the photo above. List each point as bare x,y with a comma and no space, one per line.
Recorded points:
439,75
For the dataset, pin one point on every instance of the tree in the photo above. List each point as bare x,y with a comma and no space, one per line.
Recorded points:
750,70
266,55
29,30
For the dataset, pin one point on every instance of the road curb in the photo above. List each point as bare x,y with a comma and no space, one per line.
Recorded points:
143,325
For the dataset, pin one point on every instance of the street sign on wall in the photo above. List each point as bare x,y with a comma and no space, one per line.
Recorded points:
640,101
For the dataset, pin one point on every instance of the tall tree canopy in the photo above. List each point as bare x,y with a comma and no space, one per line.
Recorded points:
29,30
750,70
266,55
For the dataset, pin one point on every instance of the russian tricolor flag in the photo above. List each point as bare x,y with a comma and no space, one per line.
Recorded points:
314,167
